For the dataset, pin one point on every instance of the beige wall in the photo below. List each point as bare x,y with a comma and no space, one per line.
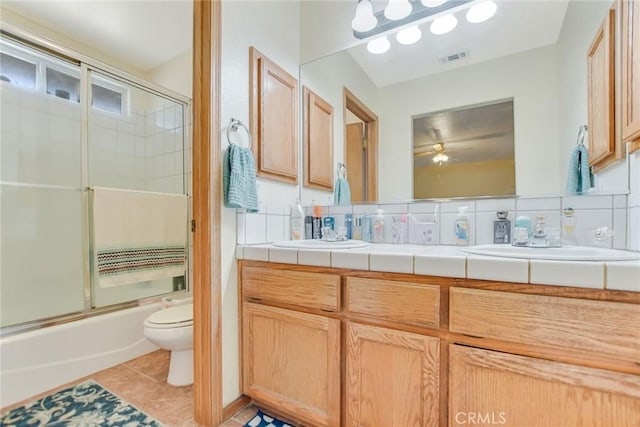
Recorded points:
495,177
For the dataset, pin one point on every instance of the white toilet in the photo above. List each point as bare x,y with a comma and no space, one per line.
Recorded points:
172,329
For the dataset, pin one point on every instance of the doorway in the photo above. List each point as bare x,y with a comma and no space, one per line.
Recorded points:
360,148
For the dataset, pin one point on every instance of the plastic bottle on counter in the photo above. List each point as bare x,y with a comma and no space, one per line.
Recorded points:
461,228
378,227
297,222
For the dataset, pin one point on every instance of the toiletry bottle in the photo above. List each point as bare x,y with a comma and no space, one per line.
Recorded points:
366,228
329,221
378,227
399,227
348,223
404,228
308,227
297,222
502,228
317,222
462,227
568,222
357,228
522,231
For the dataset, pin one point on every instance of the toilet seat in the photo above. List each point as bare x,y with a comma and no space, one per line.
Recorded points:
173,317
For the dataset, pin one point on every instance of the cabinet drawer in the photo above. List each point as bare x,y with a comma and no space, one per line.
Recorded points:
312,290
404,302
598,326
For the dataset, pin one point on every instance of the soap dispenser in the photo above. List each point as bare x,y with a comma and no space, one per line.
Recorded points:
462,227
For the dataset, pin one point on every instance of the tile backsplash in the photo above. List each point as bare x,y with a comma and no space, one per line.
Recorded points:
591,212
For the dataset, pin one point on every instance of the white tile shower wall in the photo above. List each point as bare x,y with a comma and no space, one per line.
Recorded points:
40,138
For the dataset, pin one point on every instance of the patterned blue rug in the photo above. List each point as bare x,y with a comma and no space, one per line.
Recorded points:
83,405
263,420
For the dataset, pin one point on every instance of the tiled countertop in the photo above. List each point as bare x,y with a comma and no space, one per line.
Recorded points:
450,261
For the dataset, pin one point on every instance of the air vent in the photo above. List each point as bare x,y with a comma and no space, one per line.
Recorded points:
454,57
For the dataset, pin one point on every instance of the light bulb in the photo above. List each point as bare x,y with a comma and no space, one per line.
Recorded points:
364,20
432,3
409,35
397,9
481,12
443,24
379,45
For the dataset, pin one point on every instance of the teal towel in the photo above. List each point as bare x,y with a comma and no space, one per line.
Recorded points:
239,179
580,178
341,192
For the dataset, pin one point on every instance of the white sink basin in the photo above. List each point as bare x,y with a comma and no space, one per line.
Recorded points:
565,253
321,244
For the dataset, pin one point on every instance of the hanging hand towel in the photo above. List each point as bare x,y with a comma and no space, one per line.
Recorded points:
239,179
342,192
138,236
580,177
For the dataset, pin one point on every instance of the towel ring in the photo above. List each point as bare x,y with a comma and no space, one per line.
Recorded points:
234,124
581,131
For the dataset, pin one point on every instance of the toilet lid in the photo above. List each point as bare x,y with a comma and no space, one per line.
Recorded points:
178,314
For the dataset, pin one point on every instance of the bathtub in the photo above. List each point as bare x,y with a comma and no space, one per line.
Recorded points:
36,361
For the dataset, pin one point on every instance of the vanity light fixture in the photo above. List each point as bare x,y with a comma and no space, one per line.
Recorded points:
481,12
364,20
409,35
397,9
405,16
379,45
444,24
432,3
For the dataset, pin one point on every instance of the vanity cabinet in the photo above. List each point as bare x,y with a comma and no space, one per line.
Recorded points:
331,347
630,17
392,377
497,388
292,362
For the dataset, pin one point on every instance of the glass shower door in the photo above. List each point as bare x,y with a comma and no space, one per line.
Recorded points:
136,142
41,246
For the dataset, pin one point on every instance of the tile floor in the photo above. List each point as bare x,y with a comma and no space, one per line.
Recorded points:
142,383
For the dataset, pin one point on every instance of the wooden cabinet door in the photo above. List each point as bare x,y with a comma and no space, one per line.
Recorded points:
318,142
274,119
292,363
601,92
630,16
493,388
392,378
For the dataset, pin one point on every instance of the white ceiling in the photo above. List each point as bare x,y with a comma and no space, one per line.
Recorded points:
517,26
144,34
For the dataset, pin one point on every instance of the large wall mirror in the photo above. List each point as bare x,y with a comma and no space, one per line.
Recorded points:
531,53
